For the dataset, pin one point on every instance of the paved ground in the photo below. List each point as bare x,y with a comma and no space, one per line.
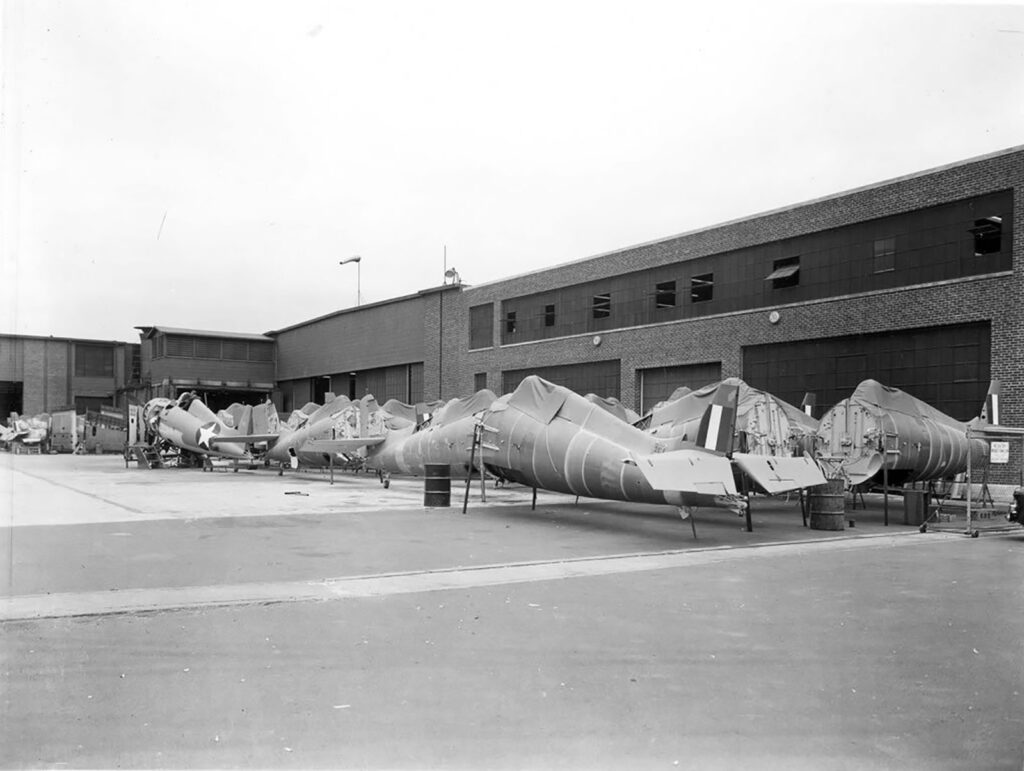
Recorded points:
185,619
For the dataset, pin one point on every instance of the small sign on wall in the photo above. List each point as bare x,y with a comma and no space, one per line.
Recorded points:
999,452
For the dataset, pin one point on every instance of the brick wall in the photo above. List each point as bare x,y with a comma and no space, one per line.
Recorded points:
994,298
12,355
47,382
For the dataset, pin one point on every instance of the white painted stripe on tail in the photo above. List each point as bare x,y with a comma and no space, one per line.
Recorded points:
993,417
714,424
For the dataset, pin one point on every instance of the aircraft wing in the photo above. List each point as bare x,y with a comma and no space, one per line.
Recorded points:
688,471
340,445
242,438
780,475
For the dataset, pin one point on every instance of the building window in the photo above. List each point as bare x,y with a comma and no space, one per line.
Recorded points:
158,347
207,348
183,347
84,404
235,350
549,315
481,326
479,381
702,287
261,352
988,235
885,255
510,323
601,306
94,361
785,272
665,294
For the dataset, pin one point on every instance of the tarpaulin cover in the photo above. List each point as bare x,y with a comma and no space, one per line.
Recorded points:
399,409
457,409
614,406
265,419
682,415
237,416
337,404
871,393
538,398
679,393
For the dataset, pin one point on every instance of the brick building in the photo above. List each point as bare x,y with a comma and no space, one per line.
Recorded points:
915,282
393,349
221,367
45,374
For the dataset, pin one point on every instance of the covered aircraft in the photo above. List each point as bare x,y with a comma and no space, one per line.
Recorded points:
320,436
337,429
549,437
765,424
880,429
546,436
445,436
31,432
614,406
188,424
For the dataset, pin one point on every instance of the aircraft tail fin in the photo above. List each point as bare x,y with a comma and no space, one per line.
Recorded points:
809,403
718,424
990,413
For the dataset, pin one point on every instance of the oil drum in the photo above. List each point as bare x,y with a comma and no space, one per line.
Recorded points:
437,485
828,505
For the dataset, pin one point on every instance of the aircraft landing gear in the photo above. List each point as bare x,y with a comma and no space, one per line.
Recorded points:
686,513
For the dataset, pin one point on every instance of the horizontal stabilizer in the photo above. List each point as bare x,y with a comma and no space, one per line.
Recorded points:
340,445
780,475
242,438
688,471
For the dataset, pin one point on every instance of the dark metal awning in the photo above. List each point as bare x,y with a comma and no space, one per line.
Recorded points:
784,272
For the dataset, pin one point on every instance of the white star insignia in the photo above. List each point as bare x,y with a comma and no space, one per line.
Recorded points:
205,433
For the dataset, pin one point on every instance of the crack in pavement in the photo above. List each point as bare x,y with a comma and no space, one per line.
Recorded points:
130,601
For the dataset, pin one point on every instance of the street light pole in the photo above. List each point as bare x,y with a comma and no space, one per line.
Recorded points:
359,275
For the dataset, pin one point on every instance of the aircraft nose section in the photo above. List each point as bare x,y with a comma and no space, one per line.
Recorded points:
863,468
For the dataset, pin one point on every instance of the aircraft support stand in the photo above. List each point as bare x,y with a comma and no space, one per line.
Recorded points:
687,512
970,530
885,491
477,437
746,505
533,506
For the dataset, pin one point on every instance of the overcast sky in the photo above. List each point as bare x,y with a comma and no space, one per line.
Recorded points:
207,164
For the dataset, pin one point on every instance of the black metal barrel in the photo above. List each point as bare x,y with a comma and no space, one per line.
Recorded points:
437,485
828,505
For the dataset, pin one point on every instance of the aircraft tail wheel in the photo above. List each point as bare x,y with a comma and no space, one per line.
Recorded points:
975,534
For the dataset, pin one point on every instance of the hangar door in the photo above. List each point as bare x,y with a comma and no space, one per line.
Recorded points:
948,367
592,377
657,383
10,398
